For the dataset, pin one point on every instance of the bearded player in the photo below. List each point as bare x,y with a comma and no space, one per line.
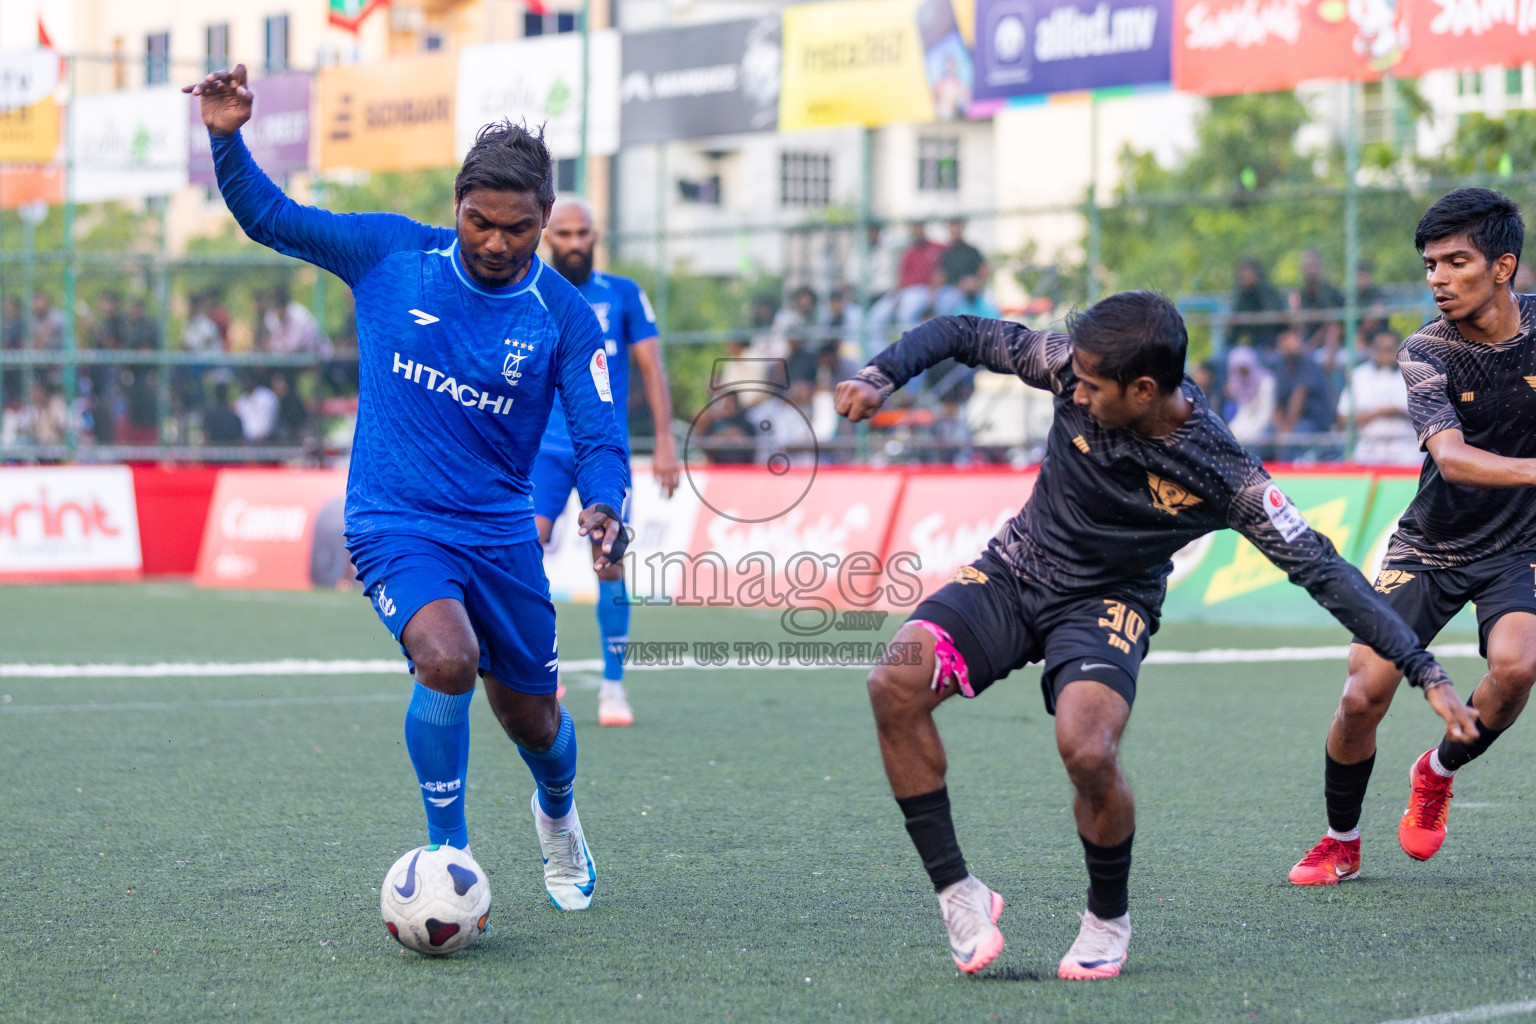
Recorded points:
463,343
1468,535
1136,466
629,328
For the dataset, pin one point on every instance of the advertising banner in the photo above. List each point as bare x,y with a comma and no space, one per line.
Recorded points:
275,529
1222,47
130,144
1027,49
68,523
714,79
29,115
539,80
1469,34
394,115
277,133
660,525
799,539
944,520
28,183
863,62
1222,577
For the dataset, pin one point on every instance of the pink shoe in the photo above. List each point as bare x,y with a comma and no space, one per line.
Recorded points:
970,912
1100,949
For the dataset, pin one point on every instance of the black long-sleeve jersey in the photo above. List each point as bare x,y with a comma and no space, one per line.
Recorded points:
1488,392
1110,507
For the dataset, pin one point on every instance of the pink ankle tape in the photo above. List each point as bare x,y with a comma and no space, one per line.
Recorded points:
948,662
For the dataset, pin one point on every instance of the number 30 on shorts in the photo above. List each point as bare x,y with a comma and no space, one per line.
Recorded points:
1125,625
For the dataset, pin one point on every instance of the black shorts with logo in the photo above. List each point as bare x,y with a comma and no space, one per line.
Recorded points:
1428,598
1001,622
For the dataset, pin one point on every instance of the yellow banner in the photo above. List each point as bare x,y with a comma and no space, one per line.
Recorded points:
395,115
853,62
30,134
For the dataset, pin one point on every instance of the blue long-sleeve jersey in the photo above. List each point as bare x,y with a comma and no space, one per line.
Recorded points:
456,378
627,319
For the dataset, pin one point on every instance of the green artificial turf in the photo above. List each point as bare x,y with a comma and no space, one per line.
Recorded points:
212,849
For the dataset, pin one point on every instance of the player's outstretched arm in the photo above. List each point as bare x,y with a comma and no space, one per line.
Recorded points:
1002,346
1262,513
348,245
1462,463
665,466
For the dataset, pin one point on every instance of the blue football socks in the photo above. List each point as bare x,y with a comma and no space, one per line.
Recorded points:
437,737
554,770
613,623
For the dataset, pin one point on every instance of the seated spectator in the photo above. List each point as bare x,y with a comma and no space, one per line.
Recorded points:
141,420
728,436
292,416
966,299
918,259
801,311
1249,407
1317,295
221,424
1372,303
257,409
843,320
13,333
140,331
1253,295
960,259
784,428
289,327
203,333
47,324
1384,433
1304,406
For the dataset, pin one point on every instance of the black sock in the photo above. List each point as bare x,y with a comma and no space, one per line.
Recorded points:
1109,871
933,833
1344,791
1456,755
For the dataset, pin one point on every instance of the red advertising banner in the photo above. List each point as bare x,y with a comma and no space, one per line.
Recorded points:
68,523
811,538
1447,34
274,529
1221,47
945,520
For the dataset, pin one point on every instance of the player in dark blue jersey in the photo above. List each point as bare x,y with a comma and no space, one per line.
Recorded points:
629,328
464,339
1469,535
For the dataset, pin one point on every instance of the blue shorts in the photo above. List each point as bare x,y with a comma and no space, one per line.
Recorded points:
554,477
503,590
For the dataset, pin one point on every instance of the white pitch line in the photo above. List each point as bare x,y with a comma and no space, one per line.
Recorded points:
394,666
1491,1012
181,705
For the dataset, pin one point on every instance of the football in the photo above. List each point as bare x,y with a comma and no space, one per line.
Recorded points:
435,900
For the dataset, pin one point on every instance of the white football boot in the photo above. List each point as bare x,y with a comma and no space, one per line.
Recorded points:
569,874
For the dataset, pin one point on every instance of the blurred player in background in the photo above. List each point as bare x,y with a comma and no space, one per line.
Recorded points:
464,341
1468,535
629,327
1136,466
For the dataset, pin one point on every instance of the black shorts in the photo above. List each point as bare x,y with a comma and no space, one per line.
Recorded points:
1001,622
1428,598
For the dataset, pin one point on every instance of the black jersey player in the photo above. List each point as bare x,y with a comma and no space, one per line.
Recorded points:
1136,466
1468,535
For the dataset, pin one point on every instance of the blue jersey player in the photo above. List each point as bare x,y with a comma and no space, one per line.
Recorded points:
464,338
629,328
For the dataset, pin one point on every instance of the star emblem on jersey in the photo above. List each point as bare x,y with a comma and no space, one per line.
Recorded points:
1389,580
1170,497
970,574
511,367
423,317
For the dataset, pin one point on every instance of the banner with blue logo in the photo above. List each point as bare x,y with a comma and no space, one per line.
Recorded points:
1034,47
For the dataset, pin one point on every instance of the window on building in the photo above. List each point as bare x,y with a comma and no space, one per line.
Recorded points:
565,175
1469,83
1514,81
705,191
938,164
216,50
548,24
157,58
432,40
805,179
277,42
565,21
533,24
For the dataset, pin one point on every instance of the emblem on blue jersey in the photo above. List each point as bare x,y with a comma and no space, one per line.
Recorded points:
512,366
